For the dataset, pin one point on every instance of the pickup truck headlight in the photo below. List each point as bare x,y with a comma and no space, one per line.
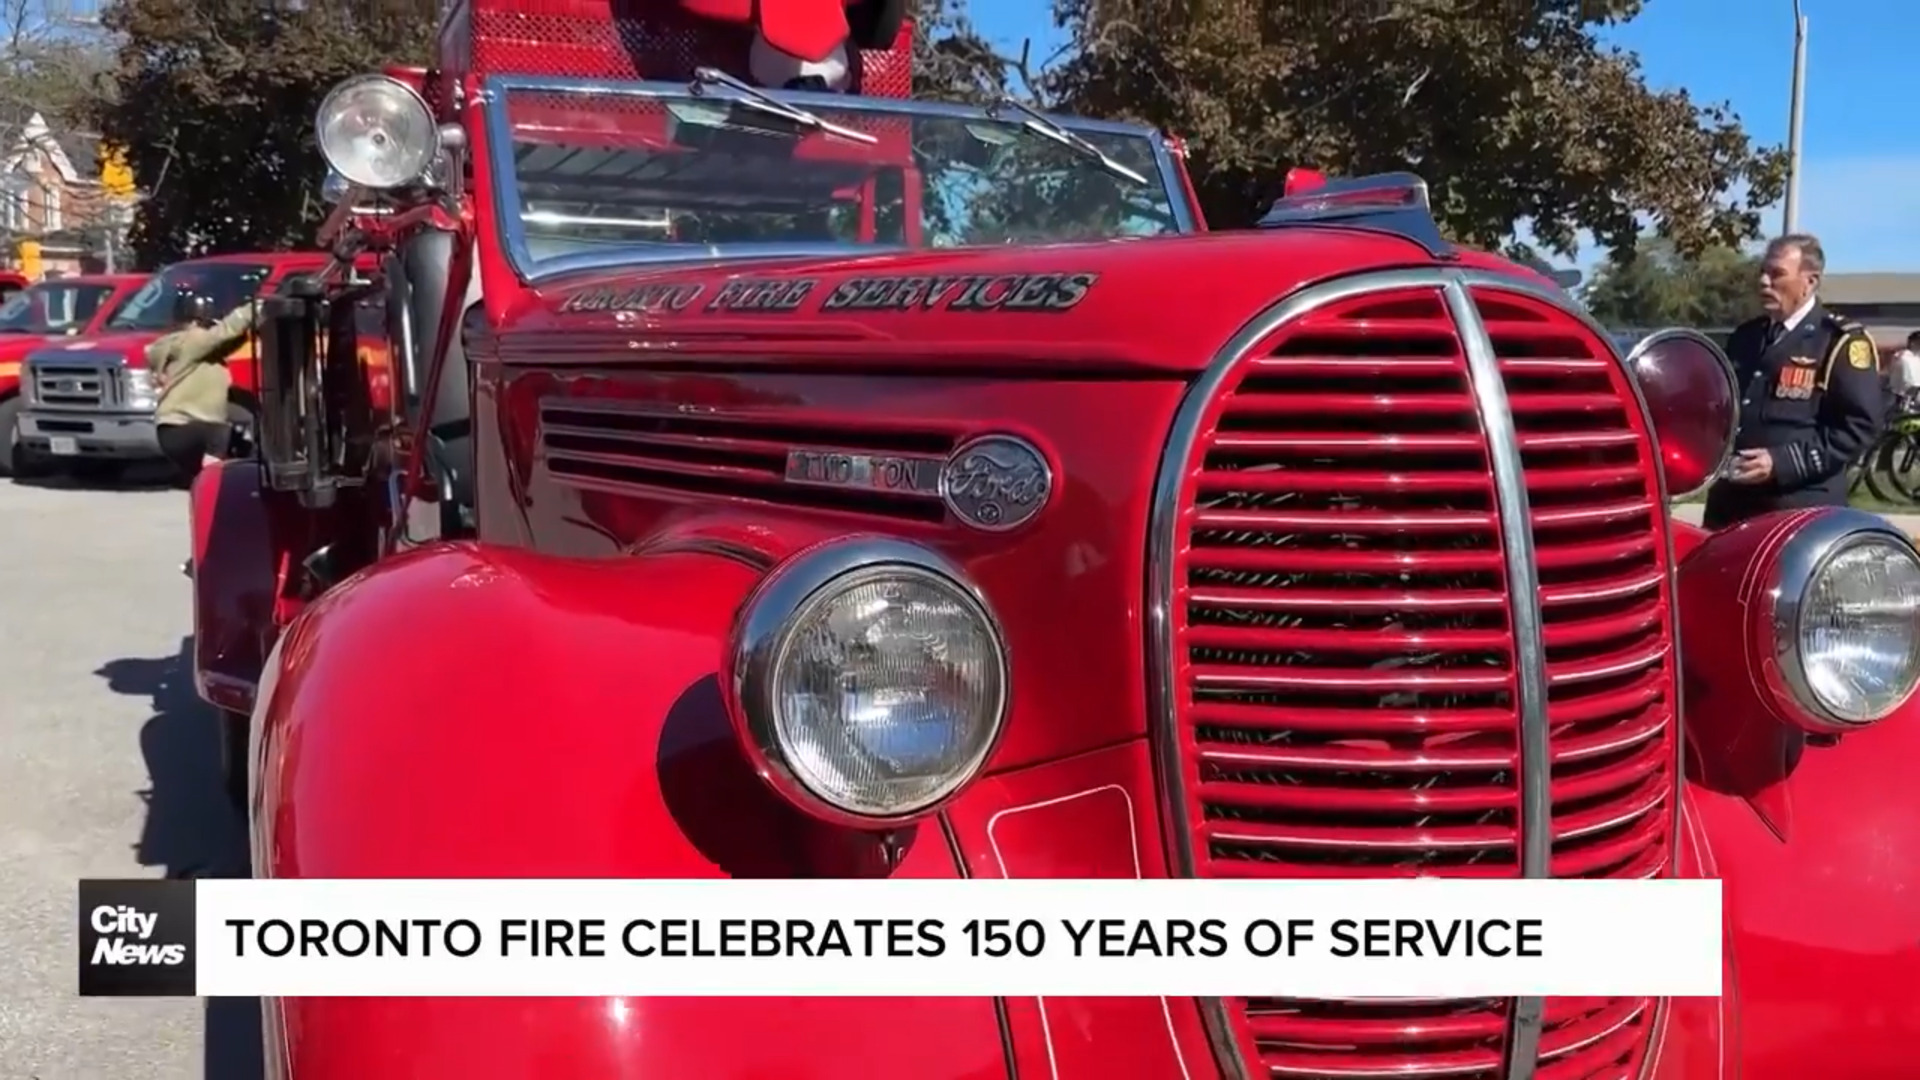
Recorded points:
870,679
1847,624
138,387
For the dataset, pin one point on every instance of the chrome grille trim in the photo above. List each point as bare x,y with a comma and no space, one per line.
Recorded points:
1489,390
1656,1028
41,368
1527,1016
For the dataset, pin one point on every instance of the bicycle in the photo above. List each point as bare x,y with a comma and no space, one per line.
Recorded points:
1890,469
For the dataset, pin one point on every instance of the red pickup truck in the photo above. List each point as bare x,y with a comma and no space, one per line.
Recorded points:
89,402
33,316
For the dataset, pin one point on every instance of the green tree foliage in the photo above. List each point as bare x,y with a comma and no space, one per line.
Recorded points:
951,61
48,61
215,99
1659,287
1512,111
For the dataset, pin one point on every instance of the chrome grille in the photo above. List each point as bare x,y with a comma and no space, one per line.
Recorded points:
1365,669
82,381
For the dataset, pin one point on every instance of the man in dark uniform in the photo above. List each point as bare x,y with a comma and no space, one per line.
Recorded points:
1811,399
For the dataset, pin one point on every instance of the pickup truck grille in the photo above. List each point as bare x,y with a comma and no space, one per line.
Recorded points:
79,382
1344,671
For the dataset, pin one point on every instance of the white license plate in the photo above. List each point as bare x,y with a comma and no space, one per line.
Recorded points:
65,444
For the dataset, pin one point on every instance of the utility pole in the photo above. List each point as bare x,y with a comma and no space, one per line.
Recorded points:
1798,106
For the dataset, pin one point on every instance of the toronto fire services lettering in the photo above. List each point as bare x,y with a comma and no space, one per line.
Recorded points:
762,294
976,292
657,297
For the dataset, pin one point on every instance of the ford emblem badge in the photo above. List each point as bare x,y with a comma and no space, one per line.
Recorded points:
996,482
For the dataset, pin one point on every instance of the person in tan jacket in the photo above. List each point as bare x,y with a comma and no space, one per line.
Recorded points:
189,368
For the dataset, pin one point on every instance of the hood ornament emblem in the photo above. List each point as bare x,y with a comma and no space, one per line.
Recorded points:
994,483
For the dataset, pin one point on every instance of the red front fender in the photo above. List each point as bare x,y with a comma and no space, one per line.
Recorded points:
464,711
1816,840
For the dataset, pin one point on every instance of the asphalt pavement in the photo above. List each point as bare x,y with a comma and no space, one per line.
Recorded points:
108,768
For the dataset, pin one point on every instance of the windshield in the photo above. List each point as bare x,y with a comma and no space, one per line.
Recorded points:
52,307
226,284
591,171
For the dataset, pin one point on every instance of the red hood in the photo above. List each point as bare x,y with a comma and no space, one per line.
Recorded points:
1148,304
132,344
15,347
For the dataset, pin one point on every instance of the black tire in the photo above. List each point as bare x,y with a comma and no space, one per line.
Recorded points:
1877,469
236,736
98,471
1903,467
12,455
243,423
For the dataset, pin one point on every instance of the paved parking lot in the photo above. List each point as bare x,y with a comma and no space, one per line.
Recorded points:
108,770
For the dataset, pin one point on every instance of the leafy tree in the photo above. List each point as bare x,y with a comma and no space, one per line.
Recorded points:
1512,111
951,61
1657,287
49,57
215,99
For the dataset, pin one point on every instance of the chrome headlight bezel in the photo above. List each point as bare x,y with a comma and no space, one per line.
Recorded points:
778,607
400,94
1800,565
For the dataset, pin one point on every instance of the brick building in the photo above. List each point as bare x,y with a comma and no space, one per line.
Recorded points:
54,206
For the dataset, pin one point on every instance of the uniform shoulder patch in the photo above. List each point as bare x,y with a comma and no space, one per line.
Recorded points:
1860,353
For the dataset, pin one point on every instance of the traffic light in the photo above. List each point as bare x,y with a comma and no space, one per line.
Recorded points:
29,255
116,179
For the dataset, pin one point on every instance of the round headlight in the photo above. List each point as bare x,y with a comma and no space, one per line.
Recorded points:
871,680
376,132
1848,625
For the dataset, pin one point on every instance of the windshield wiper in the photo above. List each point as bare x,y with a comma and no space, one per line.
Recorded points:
759,100
1038,123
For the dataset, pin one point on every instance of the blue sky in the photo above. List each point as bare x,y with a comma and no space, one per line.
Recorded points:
1860,174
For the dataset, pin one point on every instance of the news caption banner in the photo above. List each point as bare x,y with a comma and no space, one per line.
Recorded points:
1425,937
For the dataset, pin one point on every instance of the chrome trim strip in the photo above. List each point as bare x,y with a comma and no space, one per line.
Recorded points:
1663,518
492,102
1523,581
1526,1016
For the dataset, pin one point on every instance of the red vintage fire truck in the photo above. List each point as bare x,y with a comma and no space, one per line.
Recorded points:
789,478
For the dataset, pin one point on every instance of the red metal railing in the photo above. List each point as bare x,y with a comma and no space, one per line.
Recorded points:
1344,659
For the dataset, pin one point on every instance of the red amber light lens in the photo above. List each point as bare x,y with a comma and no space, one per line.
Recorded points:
1695,405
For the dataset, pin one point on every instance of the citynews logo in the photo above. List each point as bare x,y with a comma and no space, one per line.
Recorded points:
136,938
